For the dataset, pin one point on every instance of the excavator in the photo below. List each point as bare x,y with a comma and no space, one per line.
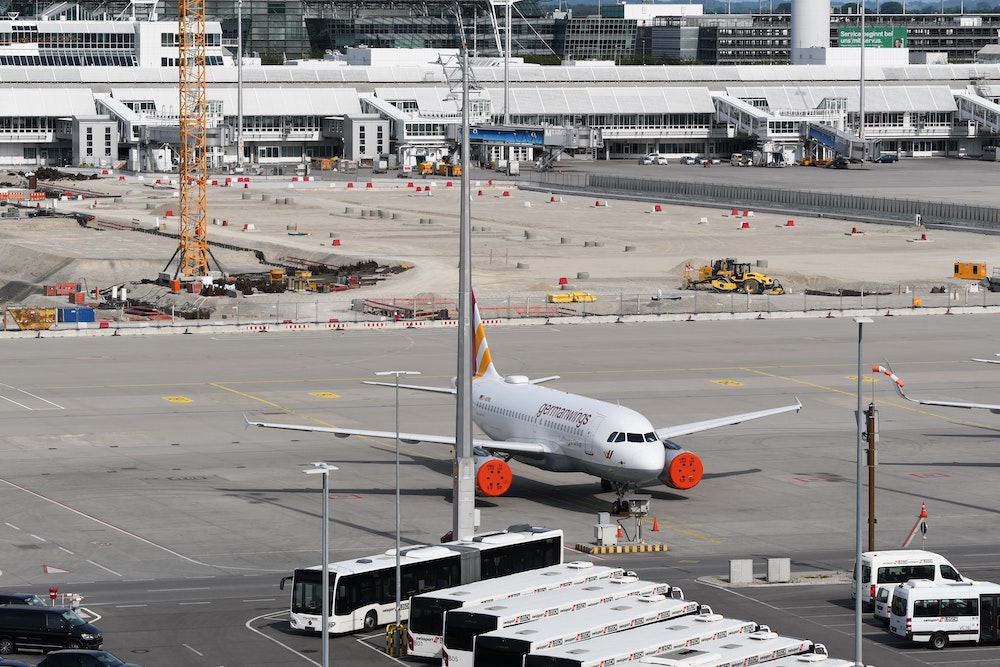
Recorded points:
728,275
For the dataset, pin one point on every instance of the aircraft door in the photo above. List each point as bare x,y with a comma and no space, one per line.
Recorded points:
589,433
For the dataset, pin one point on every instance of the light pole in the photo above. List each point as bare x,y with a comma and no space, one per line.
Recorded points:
398,583
322,468
857,518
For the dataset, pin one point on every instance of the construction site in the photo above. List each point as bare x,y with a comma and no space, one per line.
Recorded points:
283,251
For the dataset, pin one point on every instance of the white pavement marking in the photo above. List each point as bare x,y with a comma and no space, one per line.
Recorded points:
106,569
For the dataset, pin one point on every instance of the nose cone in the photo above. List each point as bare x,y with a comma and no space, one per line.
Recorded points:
684,471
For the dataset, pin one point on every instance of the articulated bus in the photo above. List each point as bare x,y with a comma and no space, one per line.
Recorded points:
427,610
363,590
462,626
646,640
508,646
925,611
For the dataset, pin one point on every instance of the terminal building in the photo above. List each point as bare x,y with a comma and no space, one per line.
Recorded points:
92,91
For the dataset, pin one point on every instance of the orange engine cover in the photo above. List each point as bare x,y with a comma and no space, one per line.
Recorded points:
493,477
684,471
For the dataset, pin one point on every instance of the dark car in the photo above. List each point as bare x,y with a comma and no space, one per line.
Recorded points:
27,626
886,157
83,658
21,598
13,663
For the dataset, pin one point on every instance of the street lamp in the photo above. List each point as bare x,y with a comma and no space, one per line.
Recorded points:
398,584
322,468
857,518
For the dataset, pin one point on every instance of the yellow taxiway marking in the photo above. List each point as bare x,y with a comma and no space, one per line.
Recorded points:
178,399
324,394
864,378
729,383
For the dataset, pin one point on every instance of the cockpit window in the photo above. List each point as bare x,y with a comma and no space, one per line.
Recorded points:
611,438
635,437
620,438
650,437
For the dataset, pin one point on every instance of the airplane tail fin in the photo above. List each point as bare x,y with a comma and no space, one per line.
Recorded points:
483,362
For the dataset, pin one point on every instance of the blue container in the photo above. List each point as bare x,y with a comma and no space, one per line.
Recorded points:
80,314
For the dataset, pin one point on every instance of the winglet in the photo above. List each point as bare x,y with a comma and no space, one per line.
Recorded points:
897,383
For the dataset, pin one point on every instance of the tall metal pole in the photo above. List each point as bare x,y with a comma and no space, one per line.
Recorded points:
859,501
861,91
464,500
398,572
324,469
239,83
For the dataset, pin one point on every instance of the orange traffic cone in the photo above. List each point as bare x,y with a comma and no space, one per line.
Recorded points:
620,534
656,525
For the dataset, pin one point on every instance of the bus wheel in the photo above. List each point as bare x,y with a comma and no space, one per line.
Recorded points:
939,640
371,620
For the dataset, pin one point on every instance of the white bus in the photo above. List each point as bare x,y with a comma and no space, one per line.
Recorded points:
652,639
426,626
462,626
363,590
936,613
508,646
804,659
900,565
758,647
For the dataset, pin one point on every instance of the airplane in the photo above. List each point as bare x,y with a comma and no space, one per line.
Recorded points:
558,431
898,384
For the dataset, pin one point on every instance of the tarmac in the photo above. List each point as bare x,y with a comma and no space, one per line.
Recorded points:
524,243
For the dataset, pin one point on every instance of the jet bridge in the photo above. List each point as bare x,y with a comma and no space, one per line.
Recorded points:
552,140
840,142
982,111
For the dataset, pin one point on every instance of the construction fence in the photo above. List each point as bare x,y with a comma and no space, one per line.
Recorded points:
848,206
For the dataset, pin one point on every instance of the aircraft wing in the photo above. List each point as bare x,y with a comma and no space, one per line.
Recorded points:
410,438
416,387
695,427
898,384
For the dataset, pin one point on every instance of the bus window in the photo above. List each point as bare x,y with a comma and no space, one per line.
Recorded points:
948,572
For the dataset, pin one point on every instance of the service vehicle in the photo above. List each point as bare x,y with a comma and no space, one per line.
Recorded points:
28,626
462,626
883,603
694,640
22,598
363,590
940,613
426,626
897,566
508,646
728,275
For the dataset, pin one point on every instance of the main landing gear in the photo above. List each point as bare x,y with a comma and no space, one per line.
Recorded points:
619,506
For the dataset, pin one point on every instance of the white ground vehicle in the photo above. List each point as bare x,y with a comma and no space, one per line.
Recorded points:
426,626
362,590
508,646
883,603
923,611
899,566
462,626
653,158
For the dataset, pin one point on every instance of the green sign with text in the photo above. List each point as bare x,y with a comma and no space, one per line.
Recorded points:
875,38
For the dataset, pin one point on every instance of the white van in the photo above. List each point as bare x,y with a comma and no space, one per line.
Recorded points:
898,566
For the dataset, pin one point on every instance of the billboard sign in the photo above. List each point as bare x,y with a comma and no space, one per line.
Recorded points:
876,37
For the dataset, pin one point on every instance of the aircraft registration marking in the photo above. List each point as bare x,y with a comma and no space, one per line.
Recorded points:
178,399
729,383
324,394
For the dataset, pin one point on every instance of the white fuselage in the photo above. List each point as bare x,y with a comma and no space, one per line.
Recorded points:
583,434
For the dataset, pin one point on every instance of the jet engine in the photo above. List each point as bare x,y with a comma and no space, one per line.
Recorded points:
493,474
683,469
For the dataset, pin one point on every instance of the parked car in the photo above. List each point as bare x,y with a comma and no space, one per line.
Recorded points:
13,663
22,598
27,626
653,158
83,658
883,603
886,157
689,159
715,159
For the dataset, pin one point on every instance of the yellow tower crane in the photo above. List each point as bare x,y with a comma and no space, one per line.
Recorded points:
193,248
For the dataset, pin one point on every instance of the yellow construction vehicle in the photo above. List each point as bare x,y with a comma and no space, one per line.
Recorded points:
728,275
425,168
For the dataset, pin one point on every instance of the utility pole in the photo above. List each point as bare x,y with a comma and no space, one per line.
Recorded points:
871,436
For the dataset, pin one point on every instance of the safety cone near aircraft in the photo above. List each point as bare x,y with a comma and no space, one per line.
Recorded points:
558,431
